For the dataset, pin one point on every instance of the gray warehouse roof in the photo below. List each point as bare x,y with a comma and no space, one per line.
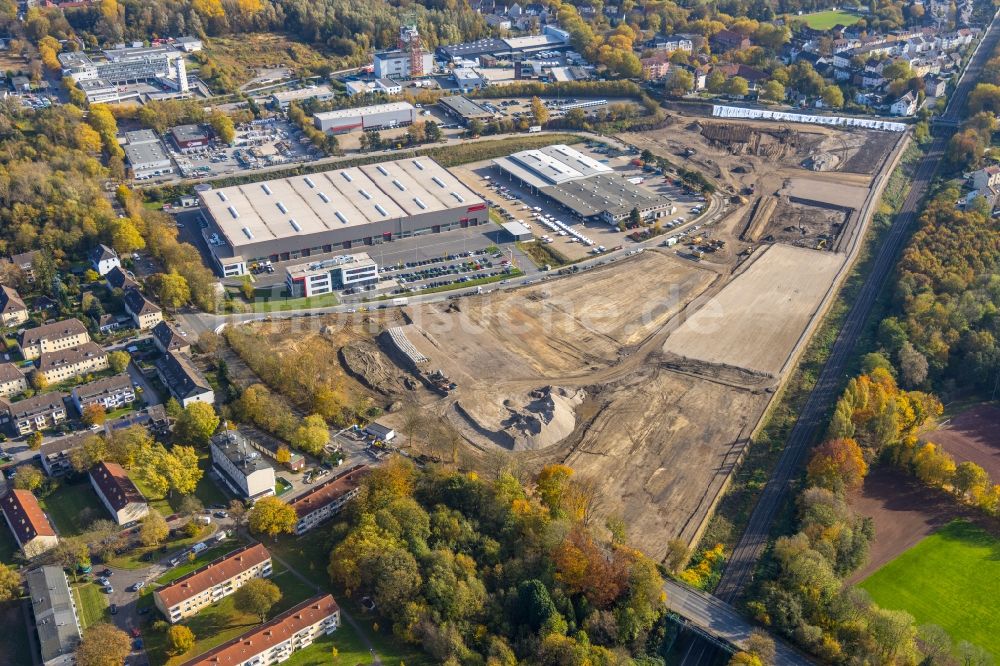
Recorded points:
145,153
613,193
465,107
551,165
55,615
331,200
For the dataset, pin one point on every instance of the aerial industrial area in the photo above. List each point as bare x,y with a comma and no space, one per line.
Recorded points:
480,333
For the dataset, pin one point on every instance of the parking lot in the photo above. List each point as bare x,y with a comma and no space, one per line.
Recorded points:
268,143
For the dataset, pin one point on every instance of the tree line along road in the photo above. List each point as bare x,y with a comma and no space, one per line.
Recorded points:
741,564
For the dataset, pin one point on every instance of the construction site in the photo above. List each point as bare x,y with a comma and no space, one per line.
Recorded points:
647,375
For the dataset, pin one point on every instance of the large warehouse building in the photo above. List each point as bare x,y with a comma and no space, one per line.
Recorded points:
378,116
585,187
307,216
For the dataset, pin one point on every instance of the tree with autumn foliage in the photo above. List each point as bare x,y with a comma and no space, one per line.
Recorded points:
838,465
492,571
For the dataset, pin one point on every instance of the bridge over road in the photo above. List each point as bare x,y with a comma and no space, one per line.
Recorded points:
721,621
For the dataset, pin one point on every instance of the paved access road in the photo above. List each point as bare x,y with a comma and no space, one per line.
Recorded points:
751,545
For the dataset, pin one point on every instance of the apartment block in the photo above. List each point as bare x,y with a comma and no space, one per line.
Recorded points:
57,621
52,337
28,523
328,498
12,380
275,641
35,413
144,312
63,364
110,393
189,594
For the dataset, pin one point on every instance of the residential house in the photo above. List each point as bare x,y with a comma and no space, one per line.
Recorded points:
58,366
240,467
26,262
103,259
144,313
119,278
753,76
656,66
728,40
670,43
109,392
35,413
206,585
51,337
167,338
13,311
905,105
935,86
12,380
109,322
328,498
183,380
275,640
57,620
28,523
117,492
55,453
987,178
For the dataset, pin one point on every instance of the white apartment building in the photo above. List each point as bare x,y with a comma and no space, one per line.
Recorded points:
52,337
327,499
189,594
275,641
240,466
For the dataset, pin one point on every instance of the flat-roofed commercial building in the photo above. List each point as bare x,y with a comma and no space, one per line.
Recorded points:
148,159
275,640
303,216
377,116
57,621
28,523
190,137
219,578
328,498
240,466
117,492
580,184
323,277
465,110
281,100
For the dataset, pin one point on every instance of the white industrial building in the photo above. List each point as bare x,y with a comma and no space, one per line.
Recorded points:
375,117
281,100
304,216
148,159
121,67
322,277
398,64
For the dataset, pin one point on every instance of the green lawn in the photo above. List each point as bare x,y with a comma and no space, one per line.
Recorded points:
73,507
266,301
92,604
828,19
8,547
133,558
952,579
281,486
200,561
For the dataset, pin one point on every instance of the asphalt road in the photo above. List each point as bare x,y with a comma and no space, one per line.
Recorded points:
741,564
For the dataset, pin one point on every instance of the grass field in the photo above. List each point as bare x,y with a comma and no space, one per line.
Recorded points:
72,508
952,579
200,561
92,604
828,19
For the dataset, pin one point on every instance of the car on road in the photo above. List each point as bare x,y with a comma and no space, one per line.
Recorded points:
136,632
138,585
221,514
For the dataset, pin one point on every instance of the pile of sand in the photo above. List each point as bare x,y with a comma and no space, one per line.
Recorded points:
528,422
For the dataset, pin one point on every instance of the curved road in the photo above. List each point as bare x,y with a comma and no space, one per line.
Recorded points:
744,559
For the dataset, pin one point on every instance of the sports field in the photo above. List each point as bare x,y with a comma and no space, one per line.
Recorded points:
828,19
952,579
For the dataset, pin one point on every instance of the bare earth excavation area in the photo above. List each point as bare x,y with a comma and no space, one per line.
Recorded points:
647,375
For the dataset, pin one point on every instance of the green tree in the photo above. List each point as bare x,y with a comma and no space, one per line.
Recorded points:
773,91
223,126
103,645
715,81
28,477
196,424
153,528
10,583
257,596
119,360
312,435
833,96
272,517
35,441
181,638
679,81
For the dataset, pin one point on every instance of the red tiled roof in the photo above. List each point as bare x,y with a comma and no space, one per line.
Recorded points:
266,636
115,485
212,574
329,491
25,516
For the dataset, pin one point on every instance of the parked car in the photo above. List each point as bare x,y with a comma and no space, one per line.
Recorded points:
114,609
